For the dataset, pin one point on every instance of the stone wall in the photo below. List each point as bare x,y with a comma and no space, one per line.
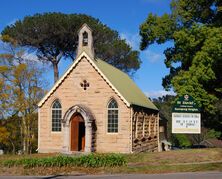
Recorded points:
96,98
145,130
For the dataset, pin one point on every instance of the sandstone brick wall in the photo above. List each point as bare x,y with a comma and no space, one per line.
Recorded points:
145,130
96,98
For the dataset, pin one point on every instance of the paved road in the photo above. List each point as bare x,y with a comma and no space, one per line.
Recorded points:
202,175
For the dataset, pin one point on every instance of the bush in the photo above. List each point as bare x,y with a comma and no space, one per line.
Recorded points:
212,134
181,140
91,160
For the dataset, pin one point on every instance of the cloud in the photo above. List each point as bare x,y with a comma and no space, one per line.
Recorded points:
132,39
159,93
153,57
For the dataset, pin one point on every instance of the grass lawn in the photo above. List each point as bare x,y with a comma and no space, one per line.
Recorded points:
190,160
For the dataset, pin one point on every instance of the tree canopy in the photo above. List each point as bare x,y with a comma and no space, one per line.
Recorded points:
195,59
55,35
21,87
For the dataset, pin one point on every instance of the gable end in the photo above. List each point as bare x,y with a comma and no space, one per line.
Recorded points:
64,76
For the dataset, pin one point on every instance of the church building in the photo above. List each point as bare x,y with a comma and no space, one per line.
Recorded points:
95,107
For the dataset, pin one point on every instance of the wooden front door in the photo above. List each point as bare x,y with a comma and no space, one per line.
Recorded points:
77,133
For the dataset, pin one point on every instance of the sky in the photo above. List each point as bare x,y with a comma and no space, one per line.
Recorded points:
124,16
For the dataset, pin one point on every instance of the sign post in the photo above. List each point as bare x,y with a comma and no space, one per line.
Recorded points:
186,117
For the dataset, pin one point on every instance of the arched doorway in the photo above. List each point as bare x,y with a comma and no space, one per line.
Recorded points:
80,117
77,133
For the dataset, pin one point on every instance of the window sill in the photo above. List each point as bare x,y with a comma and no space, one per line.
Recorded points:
112,133
56,132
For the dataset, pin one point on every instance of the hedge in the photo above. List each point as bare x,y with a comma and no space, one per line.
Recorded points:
91,160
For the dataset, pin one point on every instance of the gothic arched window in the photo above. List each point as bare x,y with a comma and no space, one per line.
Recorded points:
56,116
113,116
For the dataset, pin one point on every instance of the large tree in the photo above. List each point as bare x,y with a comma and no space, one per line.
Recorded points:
21,88
195,59
55,35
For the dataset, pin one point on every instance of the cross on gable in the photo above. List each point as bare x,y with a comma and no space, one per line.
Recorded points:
84,84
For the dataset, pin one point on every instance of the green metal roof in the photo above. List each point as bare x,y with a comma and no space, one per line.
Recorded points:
126,87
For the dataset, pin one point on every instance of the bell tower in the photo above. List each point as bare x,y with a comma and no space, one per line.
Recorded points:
85,41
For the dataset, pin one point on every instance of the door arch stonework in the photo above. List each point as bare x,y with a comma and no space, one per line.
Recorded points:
88,120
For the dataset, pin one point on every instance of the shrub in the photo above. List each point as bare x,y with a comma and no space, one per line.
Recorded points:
91,160
181,140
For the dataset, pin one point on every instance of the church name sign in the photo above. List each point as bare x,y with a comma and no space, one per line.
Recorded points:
186,117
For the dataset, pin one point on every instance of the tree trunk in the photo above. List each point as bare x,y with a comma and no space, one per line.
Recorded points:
28,136
24,132
25,135
56,72
13,146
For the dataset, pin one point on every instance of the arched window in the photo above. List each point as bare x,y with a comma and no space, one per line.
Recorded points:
113,116
56,116
85,38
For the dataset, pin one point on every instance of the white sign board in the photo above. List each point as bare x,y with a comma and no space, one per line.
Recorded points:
186,123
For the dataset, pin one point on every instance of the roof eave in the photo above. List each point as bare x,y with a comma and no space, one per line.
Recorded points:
137,105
